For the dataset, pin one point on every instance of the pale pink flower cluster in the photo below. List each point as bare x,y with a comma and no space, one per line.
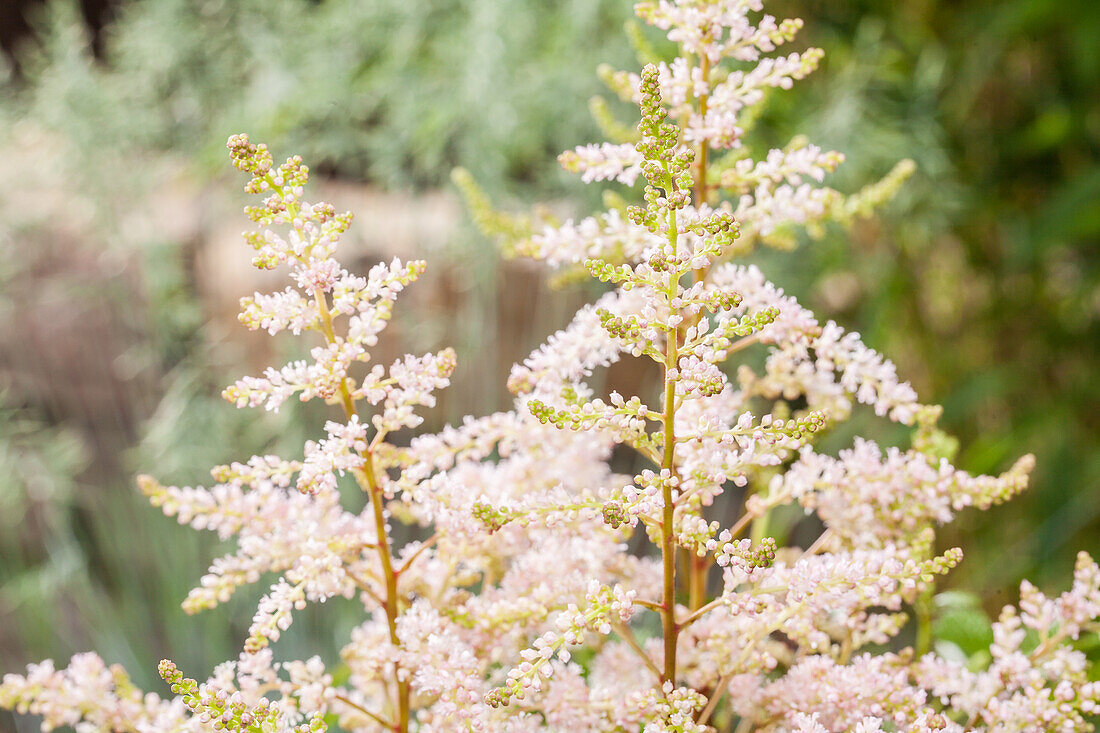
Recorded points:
1039,685
88,696
367,301
866,498
604,162
718,30
554,592
829,369
594,236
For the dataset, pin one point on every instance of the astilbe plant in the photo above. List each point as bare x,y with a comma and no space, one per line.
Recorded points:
524,610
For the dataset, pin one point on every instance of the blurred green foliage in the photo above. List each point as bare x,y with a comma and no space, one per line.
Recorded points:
982,280
394,91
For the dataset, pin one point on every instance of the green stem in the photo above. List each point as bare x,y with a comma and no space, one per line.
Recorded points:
668,546
759,528
698,567
367,479
923,608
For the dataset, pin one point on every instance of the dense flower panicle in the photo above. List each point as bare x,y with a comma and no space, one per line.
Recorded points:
88,695
828,370
340,452
1041,689
411,383
573,353
867,498
278,529
367,301
854,586
275,312
819,605
525,470
552,591
1029,685
791,166
718,30
868,694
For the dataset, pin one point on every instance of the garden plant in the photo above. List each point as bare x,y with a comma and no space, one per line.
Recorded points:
551,590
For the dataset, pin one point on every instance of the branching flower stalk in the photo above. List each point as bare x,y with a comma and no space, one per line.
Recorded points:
286,207
524,611
245,156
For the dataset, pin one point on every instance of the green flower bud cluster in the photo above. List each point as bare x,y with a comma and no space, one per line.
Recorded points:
631,332
626,418
492,517
763,555
722,300
614,514
666,169
626,329
752,322
228,711
800,426
608,273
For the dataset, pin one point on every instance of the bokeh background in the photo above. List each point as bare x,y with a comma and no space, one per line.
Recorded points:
120,262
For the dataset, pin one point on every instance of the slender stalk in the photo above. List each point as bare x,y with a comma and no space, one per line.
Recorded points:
719,691
697,580
923,608
668,545
818,544
695,567
651,605
701,611
704,610
362,585
368,475
373,716
367,478
846,648
628,636
423,546
740,524
759,529
925,611
743,343
698,567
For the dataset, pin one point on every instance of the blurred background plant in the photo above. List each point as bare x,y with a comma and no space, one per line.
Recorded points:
120,266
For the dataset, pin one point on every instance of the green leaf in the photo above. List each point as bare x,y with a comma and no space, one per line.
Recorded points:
961,621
